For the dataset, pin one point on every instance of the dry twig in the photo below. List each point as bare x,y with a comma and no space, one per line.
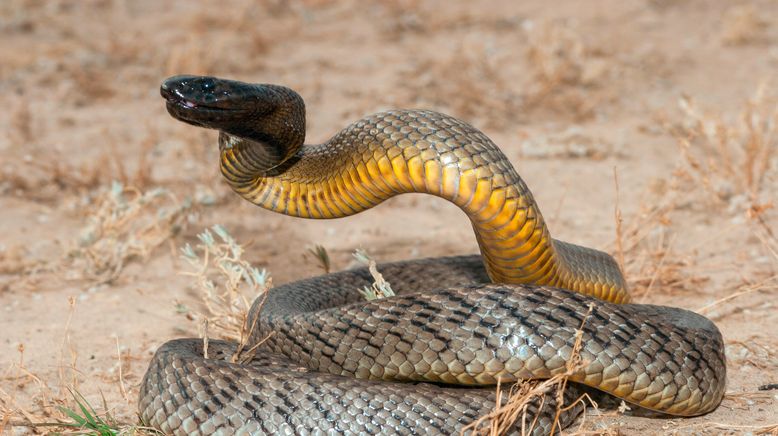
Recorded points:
380,287
506,413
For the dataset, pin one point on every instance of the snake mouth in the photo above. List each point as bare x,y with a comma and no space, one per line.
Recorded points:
191,106
176,98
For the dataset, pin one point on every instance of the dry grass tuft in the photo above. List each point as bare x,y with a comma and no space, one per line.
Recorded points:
654,263
564,64
735,161
560,56
731,164
58,407
125,224
506,414
43,400
228,285
725,163
645,248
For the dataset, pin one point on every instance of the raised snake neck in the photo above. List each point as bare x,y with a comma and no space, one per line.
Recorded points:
468,334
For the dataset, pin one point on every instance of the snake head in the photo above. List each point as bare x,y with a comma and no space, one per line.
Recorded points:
247,110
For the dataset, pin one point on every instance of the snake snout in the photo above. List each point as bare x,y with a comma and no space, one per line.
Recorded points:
205,101
196,91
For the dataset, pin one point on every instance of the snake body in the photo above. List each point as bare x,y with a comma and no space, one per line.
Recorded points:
461,324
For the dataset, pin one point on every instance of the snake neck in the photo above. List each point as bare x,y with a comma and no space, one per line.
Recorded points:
260,148
421,152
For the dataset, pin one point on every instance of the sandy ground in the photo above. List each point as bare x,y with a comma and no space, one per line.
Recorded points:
572,91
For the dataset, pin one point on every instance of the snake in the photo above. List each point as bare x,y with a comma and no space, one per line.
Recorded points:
427,360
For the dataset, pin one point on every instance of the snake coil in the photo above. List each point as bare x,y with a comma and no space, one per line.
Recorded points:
460,324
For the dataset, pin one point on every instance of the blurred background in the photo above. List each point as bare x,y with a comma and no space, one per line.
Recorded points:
645,128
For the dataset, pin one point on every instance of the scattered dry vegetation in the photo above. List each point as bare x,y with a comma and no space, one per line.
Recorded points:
47,173
475,88
644,247
57,405
125,224
734,161
228,285
512,413
728,167
564,66
484,86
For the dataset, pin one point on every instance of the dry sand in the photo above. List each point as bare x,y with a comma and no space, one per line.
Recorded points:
572,91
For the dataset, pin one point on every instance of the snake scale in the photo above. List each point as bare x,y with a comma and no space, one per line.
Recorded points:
424,361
